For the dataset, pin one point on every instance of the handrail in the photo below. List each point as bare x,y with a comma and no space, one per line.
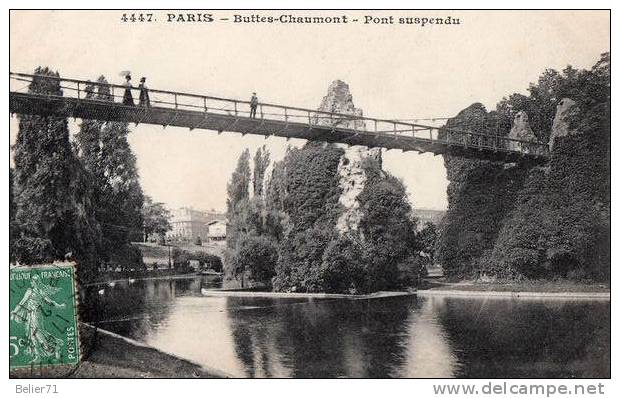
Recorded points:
411,127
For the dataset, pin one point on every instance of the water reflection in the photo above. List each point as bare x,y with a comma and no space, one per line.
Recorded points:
391,337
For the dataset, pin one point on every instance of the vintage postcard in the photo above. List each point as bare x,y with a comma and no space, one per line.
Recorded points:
420,194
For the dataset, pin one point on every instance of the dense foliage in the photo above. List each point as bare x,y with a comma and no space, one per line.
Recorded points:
238,187
155,219
427,239
480,192
181,259
547,221
261,163
52,192
254,257
293,226
110,164
253,229
77,200
309,199
314,256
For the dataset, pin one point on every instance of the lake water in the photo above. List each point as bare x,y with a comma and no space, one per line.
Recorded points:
389,337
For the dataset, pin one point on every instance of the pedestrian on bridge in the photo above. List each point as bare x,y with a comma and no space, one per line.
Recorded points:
127,97
145,101
253,105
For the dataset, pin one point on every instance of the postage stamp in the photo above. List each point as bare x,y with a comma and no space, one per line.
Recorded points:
43,316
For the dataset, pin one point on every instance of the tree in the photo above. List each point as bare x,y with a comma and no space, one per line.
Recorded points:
13,226
427,238
52,193
276,186
387,228
238,187
480,194
254,256
261,163
533,222
156,218
106,155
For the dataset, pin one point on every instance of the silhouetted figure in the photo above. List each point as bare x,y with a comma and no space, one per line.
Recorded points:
127,97
145,101
253,105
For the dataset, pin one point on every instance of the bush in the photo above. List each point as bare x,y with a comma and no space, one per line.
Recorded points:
343,267
254,256
208,261
180,258
301,255
29,250
410,271
128,257
540,222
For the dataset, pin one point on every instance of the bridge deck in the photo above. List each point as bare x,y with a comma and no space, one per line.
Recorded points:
293,123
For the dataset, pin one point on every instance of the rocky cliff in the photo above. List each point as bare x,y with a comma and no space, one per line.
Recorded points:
566,108
535,221
348,224
521,130
350,169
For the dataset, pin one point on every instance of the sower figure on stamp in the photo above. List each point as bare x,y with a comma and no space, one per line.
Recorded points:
145,101
127,97
253,105
41,343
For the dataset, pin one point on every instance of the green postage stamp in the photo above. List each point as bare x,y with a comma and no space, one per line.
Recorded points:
43,316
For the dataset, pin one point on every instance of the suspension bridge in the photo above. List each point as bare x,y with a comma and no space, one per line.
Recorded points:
103,101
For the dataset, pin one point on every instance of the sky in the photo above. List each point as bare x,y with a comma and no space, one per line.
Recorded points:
394,72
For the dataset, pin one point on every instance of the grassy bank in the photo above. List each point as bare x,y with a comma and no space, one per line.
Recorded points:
524,286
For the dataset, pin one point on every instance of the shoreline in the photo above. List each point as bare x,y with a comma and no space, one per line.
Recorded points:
248,293
104,355
515,295
606,296
144,278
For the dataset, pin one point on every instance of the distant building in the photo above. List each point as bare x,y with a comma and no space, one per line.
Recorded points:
217,230
188,223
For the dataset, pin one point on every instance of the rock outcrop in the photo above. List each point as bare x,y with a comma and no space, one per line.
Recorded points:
521,130
350,169
561,128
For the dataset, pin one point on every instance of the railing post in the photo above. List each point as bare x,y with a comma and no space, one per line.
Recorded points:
309,119
204,103
286,114
261,111
236,108
112,93
375,120
176,103
430,134
394,128
78,89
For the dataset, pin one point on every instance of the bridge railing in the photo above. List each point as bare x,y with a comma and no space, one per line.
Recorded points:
357,124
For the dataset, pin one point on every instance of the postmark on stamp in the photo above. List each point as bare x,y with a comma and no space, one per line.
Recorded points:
43,316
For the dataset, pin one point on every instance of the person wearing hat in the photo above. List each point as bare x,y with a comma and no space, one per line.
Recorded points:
127,97
253,105
145,101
